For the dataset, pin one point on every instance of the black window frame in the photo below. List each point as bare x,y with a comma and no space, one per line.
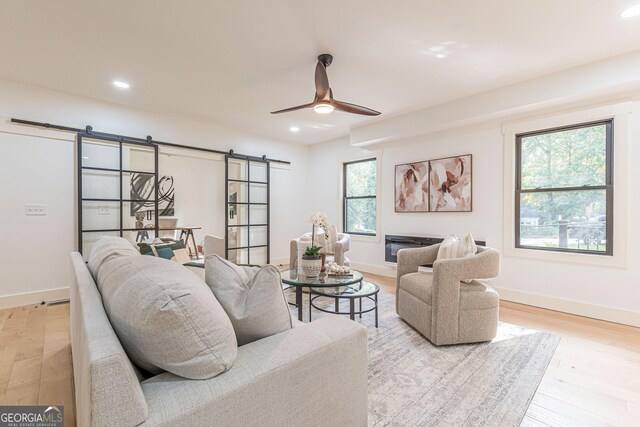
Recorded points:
346,198
608,187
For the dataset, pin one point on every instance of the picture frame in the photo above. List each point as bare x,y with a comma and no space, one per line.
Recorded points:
451,184
412,187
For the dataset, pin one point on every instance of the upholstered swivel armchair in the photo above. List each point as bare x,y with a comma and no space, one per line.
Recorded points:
440,305
341,246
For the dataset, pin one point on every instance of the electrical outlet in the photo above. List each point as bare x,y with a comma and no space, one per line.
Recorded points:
103,210
35,210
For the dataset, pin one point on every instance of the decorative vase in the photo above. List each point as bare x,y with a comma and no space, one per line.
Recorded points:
139,224
324,261
311,265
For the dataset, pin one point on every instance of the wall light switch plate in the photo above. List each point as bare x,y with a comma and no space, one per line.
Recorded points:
103,210
35,210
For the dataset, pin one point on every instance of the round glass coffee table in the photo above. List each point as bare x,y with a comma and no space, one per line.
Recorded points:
299,280
357,291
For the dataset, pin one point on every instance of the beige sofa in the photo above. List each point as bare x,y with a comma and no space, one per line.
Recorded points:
440,305
314,374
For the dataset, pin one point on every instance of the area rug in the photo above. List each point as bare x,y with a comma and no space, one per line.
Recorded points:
414,383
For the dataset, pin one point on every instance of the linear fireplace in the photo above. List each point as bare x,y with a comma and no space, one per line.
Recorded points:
393,243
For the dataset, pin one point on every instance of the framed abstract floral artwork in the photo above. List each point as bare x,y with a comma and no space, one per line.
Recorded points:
412,187
450,184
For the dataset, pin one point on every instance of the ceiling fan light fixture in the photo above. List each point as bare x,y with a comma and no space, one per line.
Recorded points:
323,108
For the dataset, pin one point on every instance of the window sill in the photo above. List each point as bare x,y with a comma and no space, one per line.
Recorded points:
365,238
567,257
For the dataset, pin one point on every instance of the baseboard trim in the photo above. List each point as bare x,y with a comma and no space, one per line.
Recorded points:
18,300
594,311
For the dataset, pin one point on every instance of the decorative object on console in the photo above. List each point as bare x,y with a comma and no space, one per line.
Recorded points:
139,220
450,184
412,187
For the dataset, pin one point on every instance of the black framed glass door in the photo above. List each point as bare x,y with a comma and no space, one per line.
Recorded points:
117,189
247,216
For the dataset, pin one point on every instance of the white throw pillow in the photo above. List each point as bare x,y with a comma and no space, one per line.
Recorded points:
251,296
452,247
166,318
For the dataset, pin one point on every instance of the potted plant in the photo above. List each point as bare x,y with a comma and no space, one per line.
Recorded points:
139,219
311,261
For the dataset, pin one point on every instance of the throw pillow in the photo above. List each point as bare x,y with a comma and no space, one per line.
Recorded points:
107,247
251,296
166,318
173,251
452,247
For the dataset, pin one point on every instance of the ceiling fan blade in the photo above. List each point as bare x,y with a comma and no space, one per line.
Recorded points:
353,108
299,107
322,81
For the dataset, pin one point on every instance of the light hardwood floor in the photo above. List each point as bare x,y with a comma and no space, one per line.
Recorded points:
592,380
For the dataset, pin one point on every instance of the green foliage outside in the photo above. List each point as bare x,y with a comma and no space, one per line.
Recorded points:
361,181
570,158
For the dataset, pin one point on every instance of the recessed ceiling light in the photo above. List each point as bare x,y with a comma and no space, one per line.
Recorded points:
121,85
294,129
631,12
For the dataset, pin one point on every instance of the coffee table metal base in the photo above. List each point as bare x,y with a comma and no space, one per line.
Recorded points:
351,293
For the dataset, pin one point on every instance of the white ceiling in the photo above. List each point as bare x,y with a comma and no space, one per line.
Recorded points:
232,62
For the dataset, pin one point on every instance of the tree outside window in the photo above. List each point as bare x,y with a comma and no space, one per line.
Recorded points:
359,203
564,189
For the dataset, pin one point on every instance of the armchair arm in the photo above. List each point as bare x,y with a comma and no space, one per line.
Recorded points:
340,247
293,253
447,275
484,265
410,259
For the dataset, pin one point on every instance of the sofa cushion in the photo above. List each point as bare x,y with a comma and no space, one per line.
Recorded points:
477,296
166,318
420,285
252,297
106,247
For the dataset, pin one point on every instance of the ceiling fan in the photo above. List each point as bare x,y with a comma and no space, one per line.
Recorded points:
323,101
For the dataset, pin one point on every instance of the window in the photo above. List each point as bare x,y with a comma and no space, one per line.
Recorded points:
564,189
359,203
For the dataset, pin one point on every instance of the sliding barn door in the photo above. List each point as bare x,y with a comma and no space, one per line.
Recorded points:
117,190
247,216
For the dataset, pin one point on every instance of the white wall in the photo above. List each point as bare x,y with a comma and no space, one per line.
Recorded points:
605,292
37,167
